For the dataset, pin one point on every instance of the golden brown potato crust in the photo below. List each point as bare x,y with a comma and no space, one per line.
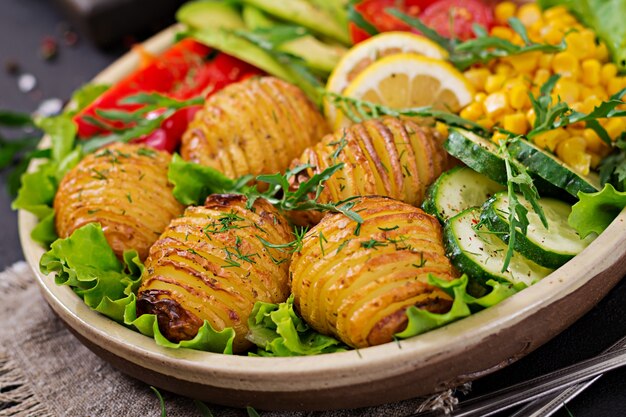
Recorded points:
358,287
257,126
389,157
123,187
210,265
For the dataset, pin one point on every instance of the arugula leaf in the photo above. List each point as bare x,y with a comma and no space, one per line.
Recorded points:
594,212
357,18
278,330
421,321
613,167
87,264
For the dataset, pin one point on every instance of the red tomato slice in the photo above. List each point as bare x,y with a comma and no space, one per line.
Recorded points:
455,18
374,12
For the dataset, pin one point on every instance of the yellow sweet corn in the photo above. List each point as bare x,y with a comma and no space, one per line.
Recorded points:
568,90
496,104
477,77
609,71
572,152
594,143
615,127
499,136
566,64
549,140
516,123
494,83
529,14
591,72
518,97
473,111
504,11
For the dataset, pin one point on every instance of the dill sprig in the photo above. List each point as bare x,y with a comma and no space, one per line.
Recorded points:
290,248
483,48
359,110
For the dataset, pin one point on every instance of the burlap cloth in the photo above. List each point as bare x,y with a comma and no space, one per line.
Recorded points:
45,371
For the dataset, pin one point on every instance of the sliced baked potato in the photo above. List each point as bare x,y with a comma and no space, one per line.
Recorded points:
390,157
357,284
213,264
257,126
123,187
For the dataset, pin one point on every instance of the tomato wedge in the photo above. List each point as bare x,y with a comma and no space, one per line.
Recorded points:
374,12
455,18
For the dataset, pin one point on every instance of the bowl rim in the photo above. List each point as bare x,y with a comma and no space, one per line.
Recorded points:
285,374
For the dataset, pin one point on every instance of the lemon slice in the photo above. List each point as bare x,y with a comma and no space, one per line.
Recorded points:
409,80
366,53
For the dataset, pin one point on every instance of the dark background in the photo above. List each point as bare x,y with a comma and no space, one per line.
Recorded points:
23,25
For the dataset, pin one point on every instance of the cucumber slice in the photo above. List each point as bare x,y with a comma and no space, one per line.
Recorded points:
549,168
481,254
550,247
457,190
476,152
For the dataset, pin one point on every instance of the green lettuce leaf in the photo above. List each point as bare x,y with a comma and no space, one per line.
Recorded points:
594,212
421,321
193,183
84,96
87,264
278,330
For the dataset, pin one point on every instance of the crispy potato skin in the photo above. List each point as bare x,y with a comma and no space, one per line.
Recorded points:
357,288
210,265
123,187
254,127
390,157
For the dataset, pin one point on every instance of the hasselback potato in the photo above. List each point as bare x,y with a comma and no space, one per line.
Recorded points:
254,127
123,187
357,284
211,265
391,157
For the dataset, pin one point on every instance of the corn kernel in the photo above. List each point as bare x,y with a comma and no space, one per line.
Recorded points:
477,77
594,143
504,11
572,152
504,69
568,90
496,104
499,137
615,85
442,129
549,140
609,71
615,127
551,35
566,64
596,160
531,117
541,76
515,123
480,97
524,63
529,14
600,93
518,97
580,45
502,32
602,53
494,83
545,61
473,111
554,13
591,72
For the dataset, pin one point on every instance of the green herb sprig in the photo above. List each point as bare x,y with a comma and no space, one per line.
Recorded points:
484,48
360,110
139,124
357,18
551,115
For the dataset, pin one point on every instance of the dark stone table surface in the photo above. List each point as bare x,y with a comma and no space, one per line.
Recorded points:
23,25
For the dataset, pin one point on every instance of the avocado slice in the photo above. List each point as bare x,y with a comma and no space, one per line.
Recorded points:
310,15
210,13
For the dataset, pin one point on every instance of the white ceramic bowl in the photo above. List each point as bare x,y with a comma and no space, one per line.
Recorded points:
446,357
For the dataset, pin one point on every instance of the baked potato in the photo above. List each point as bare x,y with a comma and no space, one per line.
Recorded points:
253,127
390,157
211,265
123,187
357,284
